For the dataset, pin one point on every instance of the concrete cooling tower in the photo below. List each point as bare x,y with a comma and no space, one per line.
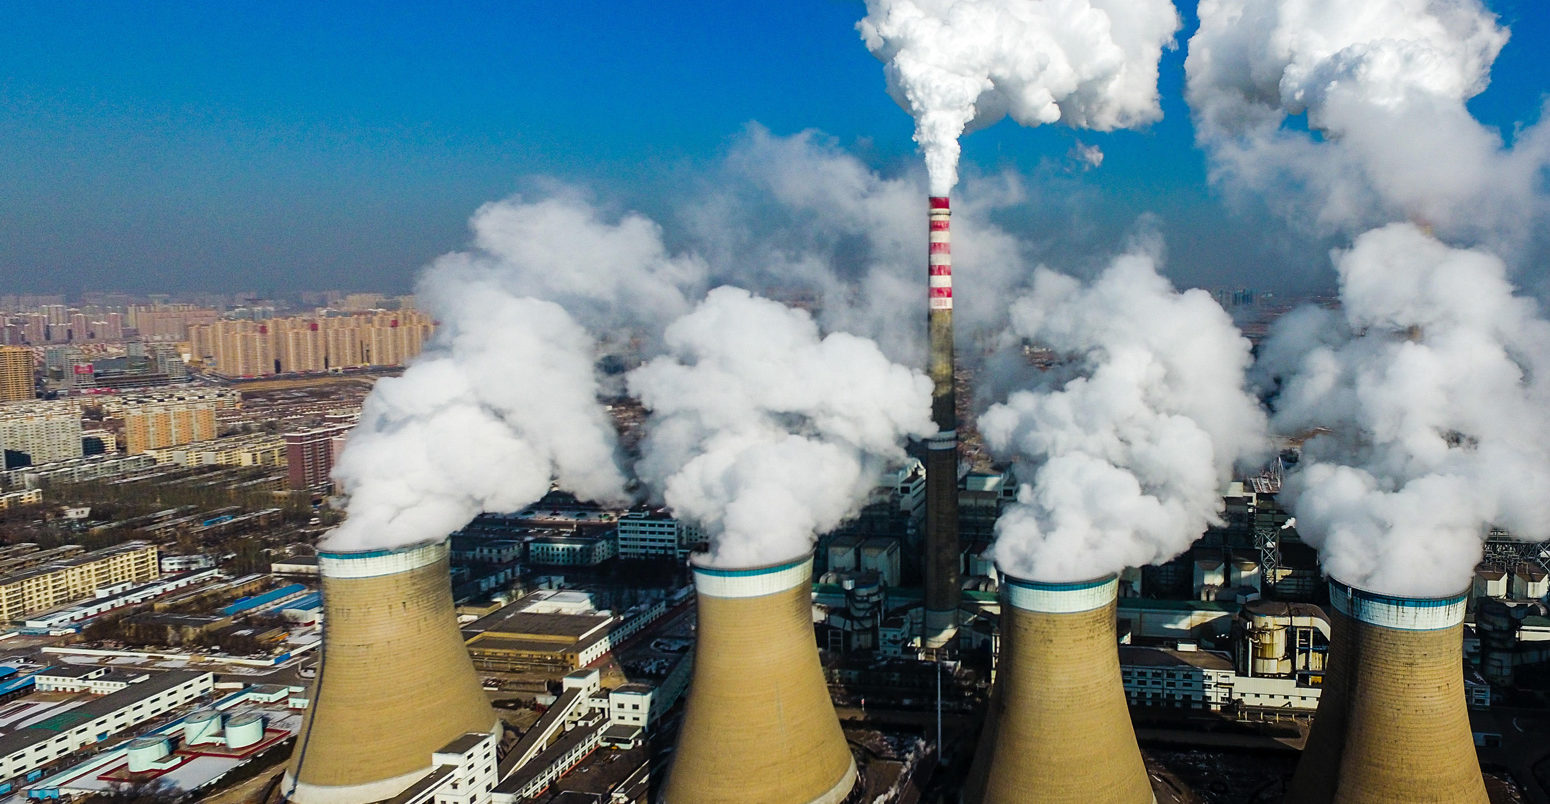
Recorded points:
1392,723
394,681
1058,729
758,724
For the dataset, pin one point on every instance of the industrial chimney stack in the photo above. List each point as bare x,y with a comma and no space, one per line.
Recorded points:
1392,724
1058,730
394,682
941,621
758,725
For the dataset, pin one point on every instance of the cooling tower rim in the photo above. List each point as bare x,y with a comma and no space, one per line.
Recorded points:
751,581
1059,597
381,561
1397,611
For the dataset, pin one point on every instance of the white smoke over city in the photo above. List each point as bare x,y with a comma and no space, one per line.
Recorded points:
1424,395
1434,381
1382,86
505,399
958,65
1124,448
764,432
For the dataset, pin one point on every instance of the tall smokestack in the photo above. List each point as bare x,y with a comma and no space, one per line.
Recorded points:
1058,729
941,449
394,682
1392,724
758,724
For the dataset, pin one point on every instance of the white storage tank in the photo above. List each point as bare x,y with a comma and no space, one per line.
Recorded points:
145,753
244,730
202,726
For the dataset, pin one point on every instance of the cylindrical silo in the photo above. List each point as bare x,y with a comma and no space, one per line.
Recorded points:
1058,729
202,726
758,725
394,681
244,730
145,753
1392,723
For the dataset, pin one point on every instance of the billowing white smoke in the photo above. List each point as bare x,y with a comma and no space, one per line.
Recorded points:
799,215
962,64
765,433
504,399
1384,83
1122,451
1434,380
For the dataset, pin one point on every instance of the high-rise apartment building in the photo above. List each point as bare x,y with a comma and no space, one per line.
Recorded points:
246,348
169,419
15,374
42,431
309,455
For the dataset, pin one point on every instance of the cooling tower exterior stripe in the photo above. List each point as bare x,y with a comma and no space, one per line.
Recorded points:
1402,613
751,582
1392,724
758,725
1061,598
394,682
1058,730
941,542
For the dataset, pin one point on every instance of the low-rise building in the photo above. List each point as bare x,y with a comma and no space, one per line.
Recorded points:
36,746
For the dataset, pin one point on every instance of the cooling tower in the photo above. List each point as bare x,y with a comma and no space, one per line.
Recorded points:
1392,725
394,681
758,724
1058,729
941,564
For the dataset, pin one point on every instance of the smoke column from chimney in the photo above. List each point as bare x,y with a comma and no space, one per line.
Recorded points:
1123,448
961,65
766,433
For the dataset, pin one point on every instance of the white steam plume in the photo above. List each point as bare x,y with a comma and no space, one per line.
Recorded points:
1124,450
1383,84
798,214
1434,381
955,65
764,433
504,399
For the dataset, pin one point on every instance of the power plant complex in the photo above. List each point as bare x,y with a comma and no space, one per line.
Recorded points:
397,712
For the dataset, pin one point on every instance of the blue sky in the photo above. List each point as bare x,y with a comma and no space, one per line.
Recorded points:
279,145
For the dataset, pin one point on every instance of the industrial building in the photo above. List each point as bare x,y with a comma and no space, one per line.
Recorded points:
758,724
34,747
655,534
1393,723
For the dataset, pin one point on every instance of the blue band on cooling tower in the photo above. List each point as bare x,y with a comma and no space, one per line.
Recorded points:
372,563
1394,611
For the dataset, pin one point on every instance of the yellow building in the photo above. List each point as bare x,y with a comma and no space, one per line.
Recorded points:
15,374
308,344
55,584
167,424
263,449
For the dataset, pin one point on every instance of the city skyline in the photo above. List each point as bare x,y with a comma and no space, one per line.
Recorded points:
179,148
